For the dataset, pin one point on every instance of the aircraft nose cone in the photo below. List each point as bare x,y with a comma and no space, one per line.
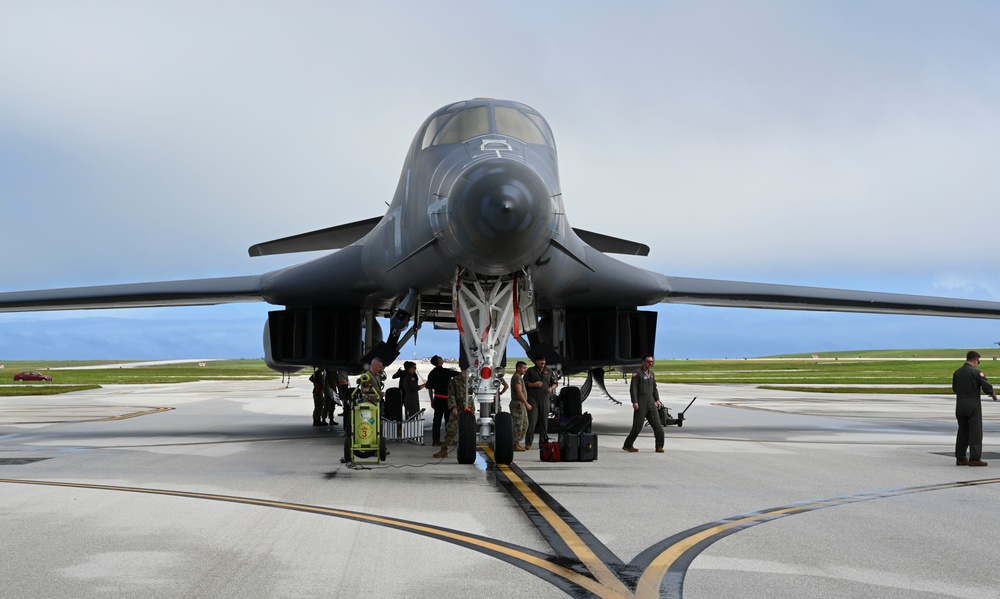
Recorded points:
498,203
501,211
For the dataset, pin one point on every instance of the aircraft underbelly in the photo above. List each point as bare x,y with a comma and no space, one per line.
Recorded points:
338,279
560,281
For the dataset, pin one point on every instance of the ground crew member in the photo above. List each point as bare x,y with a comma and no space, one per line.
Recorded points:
411,389
967,383
437,388
343,387
375,372
539,385
519,406
377,379
645,403
458,401
319,397
329,379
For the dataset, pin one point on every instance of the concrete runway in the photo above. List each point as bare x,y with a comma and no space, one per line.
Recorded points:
223,489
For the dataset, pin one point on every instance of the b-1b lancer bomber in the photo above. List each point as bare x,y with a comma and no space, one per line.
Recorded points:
477,240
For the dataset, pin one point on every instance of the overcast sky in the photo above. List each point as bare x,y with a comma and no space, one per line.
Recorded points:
837,144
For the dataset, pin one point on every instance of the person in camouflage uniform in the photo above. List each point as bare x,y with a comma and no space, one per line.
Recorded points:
458,401
519,405
377,377
645,403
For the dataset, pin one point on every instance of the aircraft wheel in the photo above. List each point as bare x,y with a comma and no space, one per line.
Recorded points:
381,449
680,423
347,450
503,438
466,437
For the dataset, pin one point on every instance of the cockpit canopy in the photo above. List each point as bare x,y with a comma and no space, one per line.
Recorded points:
463,121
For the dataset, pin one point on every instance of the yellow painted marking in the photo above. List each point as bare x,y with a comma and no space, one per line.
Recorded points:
432,531
652,577
612,585
607,584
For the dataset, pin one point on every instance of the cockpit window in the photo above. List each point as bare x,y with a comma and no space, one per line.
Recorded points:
433,127
516,124
469,123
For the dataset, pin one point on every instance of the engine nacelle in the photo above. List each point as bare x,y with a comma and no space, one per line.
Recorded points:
269,360
588,338
319,337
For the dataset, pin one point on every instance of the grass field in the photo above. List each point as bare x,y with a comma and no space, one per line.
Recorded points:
72,376
909,371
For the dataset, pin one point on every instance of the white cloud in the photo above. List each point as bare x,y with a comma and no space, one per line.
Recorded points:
780,141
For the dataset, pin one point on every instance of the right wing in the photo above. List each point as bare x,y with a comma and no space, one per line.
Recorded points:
612,245
737,294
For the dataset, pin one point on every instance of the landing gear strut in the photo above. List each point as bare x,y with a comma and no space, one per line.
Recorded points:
486,311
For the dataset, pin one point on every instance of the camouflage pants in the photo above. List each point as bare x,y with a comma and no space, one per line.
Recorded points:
520,414
451,431
327,411
317,406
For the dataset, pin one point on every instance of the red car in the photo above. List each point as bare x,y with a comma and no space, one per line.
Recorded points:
31,375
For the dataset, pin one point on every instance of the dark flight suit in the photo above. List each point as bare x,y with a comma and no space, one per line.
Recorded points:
967,383
643,392
411,394
538,398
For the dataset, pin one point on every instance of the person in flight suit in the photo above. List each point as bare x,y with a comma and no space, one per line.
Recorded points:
458,401
411,386
645,403
967,383
539,385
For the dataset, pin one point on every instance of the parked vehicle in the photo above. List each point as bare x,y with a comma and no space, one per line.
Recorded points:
31,375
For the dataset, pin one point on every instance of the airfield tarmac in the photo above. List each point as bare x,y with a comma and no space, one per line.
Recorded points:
224,489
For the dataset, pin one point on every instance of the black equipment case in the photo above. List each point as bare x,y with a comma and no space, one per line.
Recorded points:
581,447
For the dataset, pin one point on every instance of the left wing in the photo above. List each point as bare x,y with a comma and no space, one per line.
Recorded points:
331,238
194,292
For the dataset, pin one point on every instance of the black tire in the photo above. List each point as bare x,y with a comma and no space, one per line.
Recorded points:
466,438
571,401
680,423
503,438
381,449
348,458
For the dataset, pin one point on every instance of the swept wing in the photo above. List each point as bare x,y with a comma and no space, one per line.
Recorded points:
737,294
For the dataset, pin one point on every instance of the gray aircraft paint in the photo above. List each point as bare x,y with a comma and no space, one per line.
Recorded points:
426,233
